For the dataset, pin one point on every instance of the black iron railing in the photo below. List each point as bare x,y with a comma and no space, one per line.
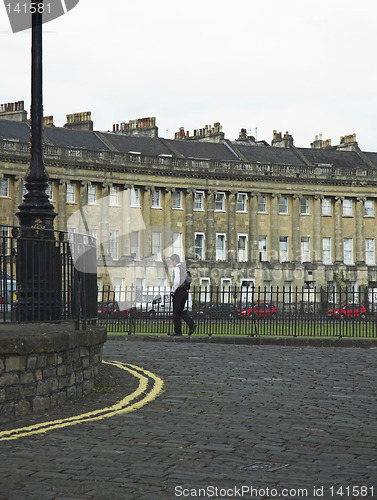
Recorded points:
29,294
244,311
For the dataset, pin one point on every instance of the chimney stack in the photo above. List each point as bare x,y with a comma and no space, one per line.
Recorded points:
13,111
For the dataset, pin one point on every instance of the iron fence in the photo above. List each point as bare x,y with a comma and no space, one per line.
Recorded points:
47,276
244,311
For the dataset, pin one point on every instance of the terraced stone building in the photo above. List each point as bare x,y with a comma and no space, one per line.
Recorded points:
240,212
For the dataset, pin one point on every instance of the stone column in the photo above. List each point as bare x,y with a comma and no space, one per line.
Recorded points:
232,236
168,226
125,237
253,250
211,233
83,202
317,231
296,233
17,200
62,206
104,236
360,244
274,229
338,243
83,194
147,249
189,243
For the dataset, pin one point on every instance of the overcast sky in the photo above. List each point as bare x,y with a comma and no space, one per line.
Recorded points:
303,66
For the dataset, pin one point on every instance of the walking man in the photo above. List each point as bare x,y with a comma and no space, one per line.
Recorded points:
180,295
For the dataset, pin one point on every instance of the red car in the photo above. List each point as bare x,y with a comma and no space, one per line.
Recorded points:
348,311
115,310
259,310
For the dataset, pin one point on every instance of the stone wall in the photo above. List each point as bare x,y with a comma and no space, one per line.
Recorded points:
43,366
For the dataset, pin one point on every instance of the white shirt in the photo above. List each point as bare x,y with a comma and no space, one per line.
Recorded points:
177,280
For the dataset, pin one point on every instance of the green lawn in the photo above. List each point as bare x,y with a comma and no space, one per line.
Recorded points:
350,328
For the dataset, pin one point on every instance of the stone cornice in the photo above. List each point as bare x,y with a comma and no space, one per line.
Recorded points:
121,164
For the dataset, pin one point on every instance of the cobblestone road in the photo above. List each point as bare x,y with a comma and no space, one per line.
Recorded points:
289,422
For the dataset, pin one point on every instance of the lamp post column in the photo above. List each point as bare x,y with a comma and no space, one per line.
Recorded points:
37,256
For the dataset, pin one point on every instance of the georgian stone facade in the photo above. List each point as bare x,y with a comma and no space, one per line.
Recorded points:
238,212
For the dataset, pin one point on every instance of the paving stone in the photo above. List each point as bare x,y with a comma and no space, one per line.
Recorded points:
223,407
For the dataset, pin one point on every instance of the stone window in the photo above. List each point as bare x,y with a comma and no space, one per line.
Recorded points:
348,250
305,249
199,201
70,193
242,247
283,248
92,195
177,200
326,207
305,207
220,202
135,245
283,205
135,197
178,245
347,207
241,202
369,208
156,245
4,187
370,251
113,193
114,238
326,251
199,246
262,204
220,246
156,198
262,247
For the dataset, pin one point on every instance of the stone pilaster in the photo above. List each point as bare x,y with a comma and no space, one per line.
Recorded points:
189,243
274,233
296,233
62,203
168,227
232,236
317,230
147,222
17,199
360,243
83,202
125,223
253,250
104,237
211,234
338,243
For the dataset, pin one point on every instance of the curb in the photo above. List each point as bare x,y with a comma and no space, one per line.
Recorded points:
255,341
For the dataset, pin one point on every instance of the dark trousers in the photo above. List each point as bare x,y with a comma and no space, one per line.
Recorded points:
179,301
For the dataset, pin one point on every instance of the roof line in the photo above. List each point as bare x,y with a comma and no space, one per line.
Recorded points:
167,143
105,141
235,151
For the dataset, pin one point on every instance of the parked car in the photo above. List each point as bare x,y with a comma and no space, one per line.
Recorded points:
159,305
259,310
116,309
218,310
348,311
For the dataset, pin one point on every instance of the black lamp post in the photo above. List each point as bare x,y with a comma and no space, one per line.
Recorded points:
37,259
36,211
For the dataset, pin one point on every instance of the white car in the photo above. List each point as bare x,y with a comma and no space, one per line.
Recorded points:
159,305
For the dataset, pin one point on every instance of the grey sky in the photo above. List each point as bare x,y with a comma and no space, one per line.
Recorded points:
298,65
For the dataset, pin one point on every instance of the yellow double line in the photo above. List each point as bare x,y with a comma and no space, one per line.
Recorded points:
126,405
